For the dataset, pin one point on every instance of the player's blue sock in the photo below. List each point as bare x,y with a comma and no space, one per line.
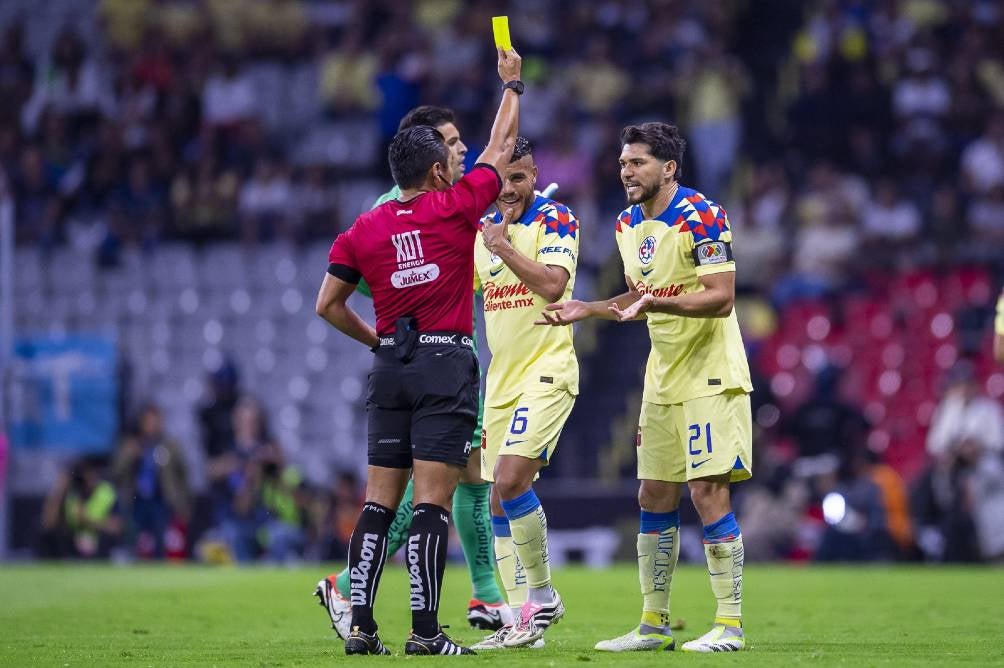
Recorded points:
658,522
724,530
500,527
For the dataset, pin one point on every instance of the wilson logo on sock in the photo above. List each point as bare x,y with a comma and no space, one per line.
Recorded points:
415,574
359,575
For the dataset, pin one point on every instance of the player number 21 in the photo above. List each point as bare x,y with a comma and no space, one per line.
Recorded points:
695,435
519,421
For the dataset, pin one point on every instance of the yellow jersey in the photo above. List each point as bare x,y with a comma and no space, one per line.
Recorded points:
690,357
525,357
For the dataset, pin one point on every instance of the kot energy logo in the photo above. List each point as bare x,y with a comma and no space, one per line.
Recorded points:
412,268
505,297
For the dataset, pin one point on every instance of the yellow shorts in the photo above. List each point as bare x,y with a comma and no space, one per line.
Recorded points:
528,426
702,437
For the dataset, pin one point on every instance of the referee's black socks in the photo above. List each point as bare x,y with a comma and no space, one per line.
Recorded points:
426,555
367,554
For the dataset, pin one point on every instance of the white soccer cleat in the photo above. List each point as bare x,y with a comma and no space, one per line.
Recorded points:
720,638
634,641
534,619
337,606
496,640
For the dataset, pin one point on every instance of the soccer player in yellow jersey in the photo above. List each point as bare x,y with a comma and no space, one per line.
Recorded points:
695,425
524,259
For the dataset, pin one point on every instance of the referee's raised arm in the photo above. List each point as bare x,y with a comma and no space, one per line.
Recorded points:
503,137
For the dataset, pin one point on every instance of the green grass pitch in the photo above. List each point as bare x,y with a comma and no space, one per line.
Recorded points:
67,616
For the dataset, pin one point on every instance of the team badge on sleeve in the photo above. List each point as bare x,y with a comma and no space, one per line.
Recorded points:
712,252
647,250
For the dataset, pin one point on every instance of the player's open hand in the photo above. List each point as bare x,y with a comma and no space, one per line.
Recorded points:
496,235
631,312
510,65
564,313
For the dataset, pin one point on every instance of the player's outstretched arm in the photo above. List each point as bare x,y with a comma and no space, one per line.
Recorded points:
714,301
574,310
332,306
548,281
503,137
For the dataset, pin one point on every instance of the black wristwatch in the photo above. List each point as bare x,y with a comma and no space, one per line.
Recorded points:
516,85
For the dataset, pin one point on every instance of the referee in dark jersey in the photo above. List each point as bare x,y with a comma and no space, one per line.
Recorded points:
417,255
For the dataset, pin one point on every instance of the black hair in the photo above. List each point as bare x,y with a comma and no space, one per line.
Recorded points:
427,114
664,141
413,151
522,148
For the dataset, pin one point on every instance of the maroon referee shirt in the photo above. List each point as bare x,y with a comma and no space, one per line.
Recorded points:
418,256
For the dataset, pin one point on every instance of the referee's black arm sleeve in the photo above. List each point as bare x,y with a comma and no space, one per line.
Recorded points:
345,273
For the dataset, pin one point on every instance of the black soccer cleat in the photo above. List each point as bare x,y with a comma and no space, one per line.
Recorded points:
441,644
487,616
364,643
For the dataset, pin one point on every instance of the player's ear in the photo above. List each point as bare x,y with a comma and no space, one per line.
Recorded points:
670,169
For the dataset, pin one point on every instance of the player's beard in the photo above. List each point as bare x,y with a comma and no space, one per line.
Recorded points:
647,193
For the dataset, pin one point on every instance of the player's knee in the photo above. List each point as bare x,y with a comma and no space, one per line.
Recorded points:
709,499
509,485
648,497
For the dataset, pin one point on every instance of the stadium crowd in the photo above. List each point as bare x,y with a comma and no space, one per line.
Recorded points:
858,147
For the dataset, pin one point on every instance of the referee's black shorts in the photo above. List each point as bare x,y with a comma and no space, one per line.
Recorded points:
425,408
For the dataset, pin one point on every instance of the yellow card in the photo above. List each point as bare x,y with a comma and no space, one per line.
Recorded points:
500,26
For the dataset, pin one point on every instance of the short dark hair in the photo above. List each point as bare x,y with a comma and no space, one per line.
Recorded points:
522,148
413,151
664,141
427,114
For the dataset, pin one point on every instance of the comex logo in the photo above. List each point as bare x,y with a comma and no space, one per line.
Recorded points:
646,252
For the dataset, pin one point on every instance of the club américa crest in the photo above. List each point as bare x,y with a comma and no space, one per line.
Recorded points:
646,252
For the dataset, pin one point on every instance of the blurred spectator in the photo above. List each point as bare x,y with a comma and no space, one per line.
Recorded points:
922,96
203,200
69,83
965,418
81,517
264,202
228,97
597,81
856,528
216,415
274,498
151,476
825,424
15,76
890,217
139,205
340,519
313,204
983,159
986,219
235,476
38,207
957,502
347,77
711,91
